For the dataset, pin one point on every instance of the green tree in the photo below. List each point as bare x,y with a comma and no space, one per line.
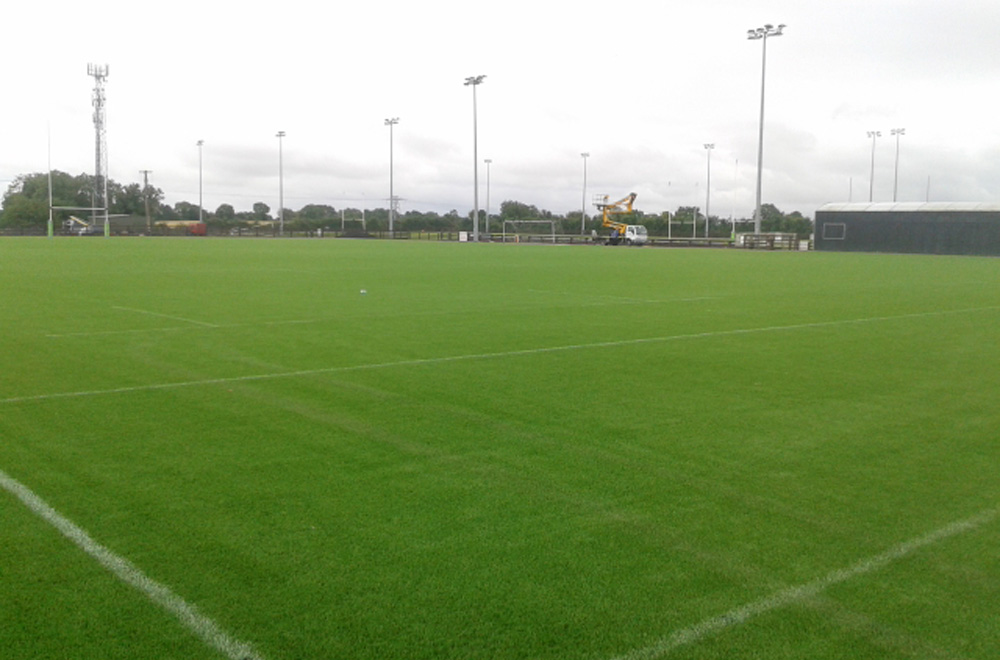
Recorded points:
167,213
27,198
26,201
773,220
317,215
225,213
186,211
261,212
21,211
511,210
126,199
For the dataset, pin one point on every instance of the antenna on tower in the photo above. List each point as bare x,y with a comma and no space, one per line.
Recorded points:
100,73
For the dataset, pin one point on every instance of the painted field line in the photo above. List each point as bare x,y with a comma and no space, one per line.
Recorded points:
99,333
164,316
791,595
127,572
488,356
174,328
622,300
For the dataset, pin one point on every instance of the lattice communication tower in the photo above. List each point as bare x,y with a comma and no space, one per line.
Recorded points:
100,73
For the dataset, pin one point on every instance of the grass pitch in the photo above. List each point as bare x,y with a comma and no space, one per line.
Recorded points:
500,451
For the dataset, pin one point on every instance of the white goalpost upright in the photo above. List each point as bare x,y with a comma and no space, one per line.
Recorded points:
514,224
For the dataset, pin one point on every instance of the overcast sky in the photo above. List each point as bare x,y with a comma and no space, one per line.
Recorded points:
641,85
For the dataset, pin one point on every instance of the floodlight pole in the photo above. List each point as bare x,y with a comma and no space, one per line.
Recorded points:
732,209
145,195
583,206
708,184
475,81
871,180
895,179
488,162
762,33
200,143
281,183
392,197
49,229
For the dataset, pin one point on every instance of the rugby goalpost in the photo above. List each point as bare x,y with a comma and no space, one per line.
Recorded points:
515,223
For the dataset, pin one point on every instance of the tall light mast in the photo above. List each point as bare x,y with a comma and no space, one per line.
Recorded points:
762,33
475,81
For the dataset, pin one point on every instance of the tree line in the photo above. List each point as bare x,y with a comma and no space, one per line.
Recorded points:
26,206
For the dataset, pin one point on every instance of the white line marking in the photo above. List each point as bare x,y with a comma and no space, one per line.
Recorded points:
127,572
163,316
487,356
96,333
801,592
610,300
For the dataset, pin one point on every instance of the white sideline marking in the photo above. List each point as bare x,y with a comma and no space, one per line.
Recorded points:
791,595
487,356
127,572
609,300
98,333
164,316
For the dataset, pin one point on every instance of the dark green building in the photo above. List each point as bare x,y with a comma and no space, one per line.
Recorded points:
910,227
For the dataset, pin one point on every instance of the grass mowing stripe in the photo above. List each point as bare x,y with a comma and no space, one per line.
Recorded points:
486,356
127,572
791,595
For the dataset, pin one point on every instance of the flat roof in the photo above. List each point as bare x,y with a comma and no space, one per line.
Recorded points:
909,207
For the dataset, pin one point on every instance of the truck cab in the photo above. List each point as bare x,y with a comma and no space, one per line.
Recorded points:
636,235
629,235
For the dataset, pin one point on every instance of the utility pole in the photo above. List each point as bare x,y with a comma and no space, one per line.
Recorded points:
145,197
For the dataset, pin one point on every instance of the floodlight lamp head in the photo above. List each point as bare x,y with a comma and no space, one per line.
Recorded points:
474,80
778,32
280,134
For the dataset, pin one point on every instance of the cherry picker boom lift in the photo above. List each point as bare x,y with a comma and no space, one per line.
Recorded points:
620,231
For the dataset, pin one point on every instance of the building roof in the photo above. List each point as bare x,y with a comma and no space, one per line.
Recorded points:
909,207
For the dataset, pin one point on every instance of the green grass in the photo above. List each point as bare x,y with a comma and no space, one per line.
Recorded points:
499,451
